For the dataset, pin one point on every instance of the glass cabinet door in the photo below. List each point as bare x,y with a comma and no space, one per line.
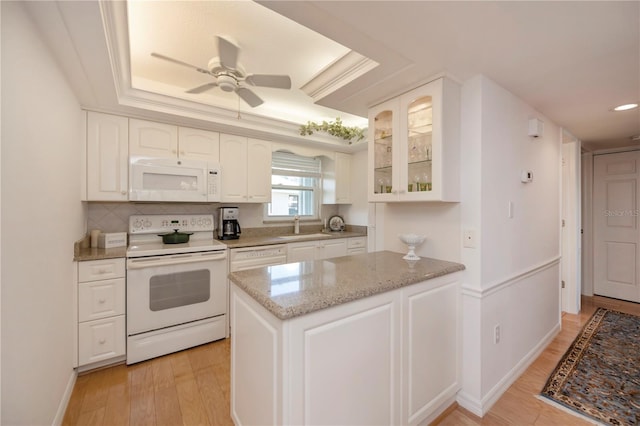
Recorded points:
414,145
419,128
383,152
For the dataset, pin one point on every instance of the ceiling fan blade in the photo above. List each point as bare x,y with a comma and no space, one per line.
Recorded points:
203,88
249,97
228,53
175,61
269,80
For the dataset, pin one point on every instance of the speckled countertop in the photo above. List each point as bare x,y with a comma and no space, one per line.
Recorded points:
85,254
82,251
289,292
258,237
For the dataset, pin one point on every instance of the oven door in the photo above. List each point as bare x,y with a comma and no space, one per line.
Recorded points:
164,291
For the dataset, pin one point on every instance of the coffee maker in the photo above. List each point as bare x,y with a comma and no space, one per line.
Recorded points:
228,225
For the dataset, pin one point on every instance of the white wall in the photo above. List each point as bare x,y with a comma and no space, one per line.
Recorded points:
512,276
439,222
41,218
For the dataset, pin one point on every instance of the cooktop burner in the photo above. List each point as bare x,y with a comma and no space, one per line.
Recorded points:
145,231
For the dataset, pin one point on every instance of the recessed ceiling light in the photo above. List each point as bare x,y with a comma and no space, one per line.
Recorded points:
625,107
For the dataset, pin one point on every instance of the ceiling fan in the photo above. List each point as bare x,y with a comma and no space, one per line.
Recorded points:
230,76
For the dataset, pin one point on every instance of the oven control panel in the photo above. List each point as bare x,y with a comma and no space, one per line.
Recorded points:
147,224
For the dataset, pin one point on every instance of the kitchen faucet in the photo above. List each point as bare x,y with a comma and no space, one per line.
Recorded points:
296,224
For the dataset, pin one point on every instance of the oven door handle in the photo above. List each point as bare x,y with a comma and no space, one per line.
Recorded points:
139,263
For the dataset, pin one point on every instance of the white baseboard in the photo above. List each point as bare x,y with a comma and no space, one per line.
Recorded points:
481,407
66,397
470,403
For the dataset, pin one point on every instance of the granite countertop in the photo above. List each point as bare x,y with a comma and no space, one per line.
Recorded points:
82,251
288,291
264,240
87,253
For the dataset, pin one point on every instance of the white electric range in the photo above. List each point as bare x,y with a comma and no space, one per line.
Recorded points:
176,293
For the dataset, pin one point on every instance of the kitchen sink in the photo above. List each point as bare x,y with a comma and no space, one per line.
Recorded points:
301,236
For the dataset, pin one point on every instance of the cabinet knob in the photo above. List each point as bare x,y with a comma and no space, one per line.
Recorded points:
173,151
181,153
101,301
102,341
102,271
123,192
402,191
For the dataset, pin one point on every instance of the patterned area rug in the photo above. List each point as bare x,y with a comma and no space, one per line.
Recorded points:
599,376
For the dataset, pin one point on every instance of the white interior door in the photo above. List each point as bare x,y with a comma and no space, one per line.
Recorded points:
615,220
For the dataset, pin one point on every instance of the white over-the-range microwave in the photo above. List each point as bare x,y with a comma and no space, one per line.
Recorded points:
169,179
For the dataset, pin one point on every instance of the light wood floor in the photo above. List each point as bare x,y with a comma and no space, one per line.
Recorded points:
192,387
185,388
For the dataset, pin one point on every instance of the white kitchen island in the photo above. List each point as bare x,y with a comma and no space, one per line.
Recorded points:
357,340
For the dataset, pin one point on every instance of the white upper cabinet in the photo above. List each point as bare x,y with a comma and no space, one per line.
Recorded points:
107,161
246,169
196,144
414,145
150,139
336,179
160,140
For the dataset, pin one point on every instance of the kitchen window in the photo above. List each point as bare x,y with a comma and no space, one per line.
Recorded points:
295,187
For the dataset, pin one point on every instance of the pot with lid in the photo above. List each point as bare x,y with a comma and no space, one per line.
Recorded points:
175,237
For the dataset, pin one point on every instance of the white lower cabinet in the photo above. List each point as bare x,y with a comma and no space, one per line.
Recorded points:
391,358
299,252
356,245
321,249
101,340
101,312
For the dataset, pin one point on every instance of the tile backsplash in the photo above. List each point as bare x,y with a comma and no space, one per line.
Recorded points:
114,217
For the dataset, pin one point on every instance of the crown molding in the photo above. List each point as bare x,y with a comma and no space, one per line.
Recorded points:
338,74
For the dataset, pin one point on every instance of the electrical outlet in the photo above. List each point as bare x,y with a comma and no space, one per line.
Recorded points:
496,334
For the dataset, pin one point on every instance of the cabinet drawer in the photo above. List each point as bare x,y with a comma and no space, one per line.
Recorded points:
101,299
357,242
101,269
358,250
101,339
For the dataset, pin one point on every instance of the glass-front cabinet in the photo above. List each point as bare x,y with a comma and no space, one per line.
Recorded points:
414,145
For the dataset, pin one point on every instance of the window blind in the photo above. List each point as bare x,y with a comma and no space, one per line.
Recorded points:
287,164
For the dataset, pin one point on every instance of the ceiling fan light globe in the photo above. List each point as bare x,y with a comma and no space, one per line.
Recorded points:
227,83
